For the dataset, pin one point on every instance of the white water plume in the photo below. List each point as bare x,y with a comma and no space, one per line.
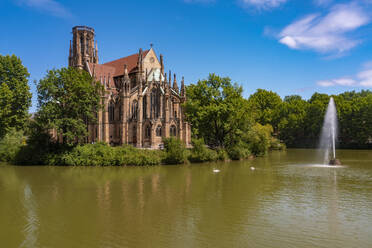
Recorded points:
329,133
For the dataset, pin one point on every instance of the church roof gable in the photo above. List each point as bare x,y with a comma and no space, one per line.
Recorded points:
130,61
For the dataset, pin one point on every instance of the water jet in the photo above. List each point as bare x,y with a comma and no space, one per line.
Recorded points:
329,135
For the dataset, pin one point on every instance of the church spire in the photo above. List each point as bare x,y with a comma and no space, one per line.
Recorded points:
139,66
126,76
161,64
175,85
183,88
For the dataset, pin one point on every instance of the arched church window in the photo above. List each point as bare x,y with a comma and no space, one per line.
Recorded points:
111,110
134,109
120,112
144,107
147,132
158,131
173,131
82,45
155,103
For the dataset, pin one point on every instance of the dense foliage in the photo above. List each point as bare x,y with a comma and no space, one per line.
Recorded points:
225,120
298,122
15,96
11,144
68,99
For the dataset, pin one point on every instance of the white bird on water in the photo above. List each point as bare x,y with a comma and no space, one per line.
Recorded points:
216,170
252,168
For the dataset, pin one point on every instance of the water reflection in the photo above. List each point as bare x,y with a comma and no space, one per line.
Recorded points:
276,205
31,227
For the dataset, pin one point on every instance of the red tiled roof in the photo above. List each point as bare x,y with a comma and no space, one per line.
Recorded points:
130,61
103,73
109,70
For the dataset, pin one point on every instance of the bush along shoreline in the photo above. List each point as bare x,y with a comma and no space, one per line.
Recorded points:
14,150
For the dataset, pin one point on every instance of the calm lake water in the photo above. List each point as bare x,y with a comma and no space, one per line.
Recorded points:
285,202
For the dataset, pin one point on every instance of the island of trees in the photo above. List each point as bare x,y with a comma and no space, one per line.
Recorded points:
225,125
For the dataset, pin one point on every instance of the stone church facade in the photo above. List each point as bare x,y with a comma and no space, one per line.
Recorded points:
141,105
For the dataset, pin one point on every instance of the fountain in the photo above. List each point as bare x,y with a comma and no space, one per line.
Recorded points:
329,135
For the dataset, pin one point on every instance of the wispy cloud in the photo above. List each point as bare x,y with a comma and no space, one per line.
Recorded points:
322,2
262,4
340,81
328,33
50,7
363,79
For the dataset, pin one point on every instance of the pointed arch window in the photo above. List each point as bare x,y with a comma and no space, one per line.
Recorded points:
155,103
147,132
111,110
134,109
158,131
173,130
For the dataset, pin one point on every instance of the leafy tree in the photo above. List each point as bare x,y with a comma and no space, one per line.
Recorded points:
15,96
217,111
68,99
292,120
266,104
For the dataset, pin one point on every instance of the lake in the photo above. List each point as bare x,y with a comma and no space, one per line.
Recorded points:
280,200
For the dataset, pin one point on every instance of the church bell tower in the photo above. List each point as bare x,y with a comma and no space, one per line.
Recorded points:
82,48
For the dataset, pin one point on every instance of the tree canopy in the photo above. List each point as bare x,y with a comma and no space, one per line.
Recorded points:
15,95
217,111
68,99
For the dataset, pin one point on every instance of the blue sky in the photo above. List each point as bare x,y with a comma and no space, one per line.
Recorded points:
288,46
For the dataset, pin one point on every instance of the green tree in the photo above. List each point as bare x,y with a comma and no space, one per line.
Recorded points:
217,111
266,104
315,112
68,99
15,96
292,120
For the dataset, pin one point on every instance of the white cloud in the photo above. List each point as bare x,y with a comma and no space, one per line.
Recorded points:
262,4
50,7
322,2
326,33
365,78
325,83
362,79
340,81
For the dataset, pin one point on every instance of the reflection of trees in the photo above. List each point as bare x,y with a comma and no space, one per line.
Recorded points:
139,206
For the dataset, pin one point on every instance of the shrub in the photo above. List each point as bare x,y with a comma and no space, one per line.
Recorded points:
239,151
200,153
175,152
259,139
101,154
275,144
222,154
128,155
11,144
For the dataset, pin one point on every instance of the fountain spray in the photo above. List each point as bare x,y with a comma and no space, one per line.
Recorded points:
329,134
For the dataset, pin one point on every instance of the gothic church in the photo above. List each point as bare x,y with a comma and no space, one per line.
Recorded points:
141,106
